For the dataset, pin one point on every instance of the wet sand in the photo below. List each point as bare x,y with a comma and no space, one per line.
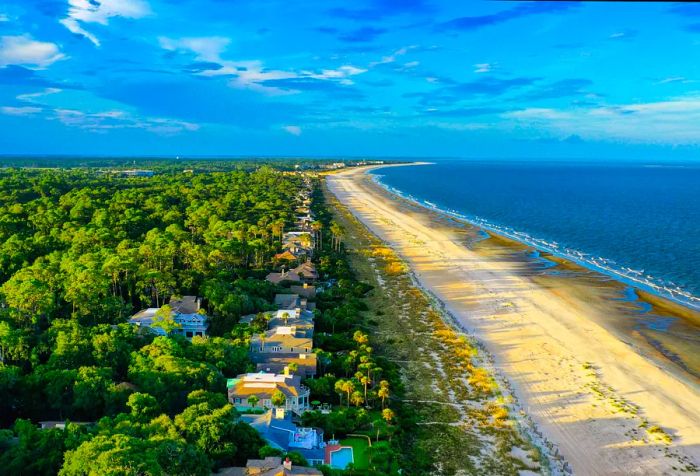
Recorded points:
575,345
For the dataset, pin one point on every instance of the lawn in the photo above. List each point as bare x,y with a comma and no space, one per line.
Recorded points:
359,451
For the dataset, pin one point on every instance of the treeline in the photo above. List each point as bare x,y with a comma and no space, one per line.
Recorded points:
81,251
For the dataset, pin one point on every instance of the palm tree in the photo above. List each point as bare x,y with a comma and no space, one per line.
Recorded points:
285,317
383,391
365,381
317,227
340,389
388,415
348,388
253,400
336,231
278,399
357,398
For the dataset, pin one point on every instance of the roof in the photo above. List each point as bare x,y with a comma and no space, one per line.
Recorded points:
307,269
185,304
277,434
287,301
276,278
277,362
307,290
288,255
283,337
264,385
270,466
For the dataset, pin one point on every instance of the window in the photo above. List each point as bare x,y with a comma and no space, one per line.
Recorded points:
188,333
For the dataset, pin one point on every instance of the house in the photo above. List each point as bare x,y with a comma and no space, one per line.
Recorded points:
306,290
139,173
279,363
301,320
306,272
263,386
298,239
61,425
282,339
293,254
187,312
270,466
278,430
290,301
278,278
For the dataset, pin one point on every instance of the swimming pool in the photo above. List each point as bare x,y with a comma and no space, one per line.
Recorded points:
341,458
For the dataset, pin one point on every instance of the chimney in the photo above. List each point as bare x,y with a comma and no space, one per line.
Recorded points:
306,285
279,413
286,371
287,464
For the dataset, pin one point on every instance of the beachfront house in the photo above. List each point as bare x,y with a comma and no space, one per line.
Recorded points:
186,312
282,339
278,430
290,301
283,276
306,272
263,386
270,466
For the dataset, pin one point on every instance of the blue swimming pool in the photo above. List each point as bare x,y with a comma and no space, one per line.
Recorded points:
341,458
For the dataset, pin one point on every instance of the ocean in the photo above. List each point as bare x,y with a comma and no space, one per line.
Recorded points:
639,223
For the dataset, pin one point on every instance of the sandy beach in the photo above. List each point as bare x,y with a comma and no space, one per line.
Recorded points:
609,404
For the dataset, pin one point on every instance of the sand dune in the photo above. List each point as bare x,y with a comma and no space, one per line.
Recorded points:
587,391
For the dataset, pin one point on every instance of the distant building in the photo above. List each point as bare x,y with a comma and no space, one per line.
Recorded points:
61,425
270,466
139,173
263,386
186,311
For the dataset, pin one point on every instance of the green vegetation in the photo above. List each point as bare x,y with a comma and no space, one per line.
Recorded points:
81,252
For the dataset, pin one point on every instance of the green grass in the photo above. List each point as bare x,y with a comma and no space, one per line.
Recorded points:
359,451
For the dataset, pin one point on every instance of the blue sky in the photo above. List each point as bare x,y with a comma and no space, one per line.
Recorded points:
362,78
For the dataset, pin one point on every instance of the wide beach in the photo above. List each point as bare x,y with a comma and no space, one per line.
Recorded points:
603,393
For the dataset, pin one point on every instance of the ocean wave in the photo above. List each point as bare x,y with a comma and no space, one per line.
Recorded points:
607,266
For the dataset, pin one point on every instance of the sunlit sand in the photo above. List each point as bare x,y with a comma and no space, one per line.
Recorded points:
596,397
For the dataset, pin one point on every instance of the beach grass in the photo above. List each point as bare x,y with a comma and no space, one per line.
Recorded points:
463,422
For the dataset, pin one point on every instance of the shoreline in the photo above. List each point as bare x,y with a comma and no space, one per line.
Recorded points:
682,298
597,397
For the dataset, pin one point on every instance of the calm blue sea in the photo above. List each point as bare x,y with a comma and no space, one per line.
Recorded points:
639,222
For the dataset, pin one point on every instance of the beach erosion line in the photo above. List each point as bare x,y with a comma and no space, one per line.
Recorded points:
631,277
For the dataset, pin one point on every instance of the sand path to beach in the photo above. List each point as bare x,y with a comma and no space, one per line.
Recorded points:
586,390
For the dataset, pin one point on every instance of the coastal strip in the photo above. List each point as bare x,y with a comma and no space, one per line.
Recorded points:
609,407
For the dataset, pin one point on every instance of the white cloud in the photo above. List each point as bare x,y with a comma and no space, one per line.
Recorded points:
20,111
392,57
207,48
32,97
100,11
24,50
673,121
483,68
74,27
249,74
293,130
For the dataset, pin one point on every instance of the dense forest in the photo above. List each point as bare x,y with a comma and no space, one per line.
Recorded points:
82,250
